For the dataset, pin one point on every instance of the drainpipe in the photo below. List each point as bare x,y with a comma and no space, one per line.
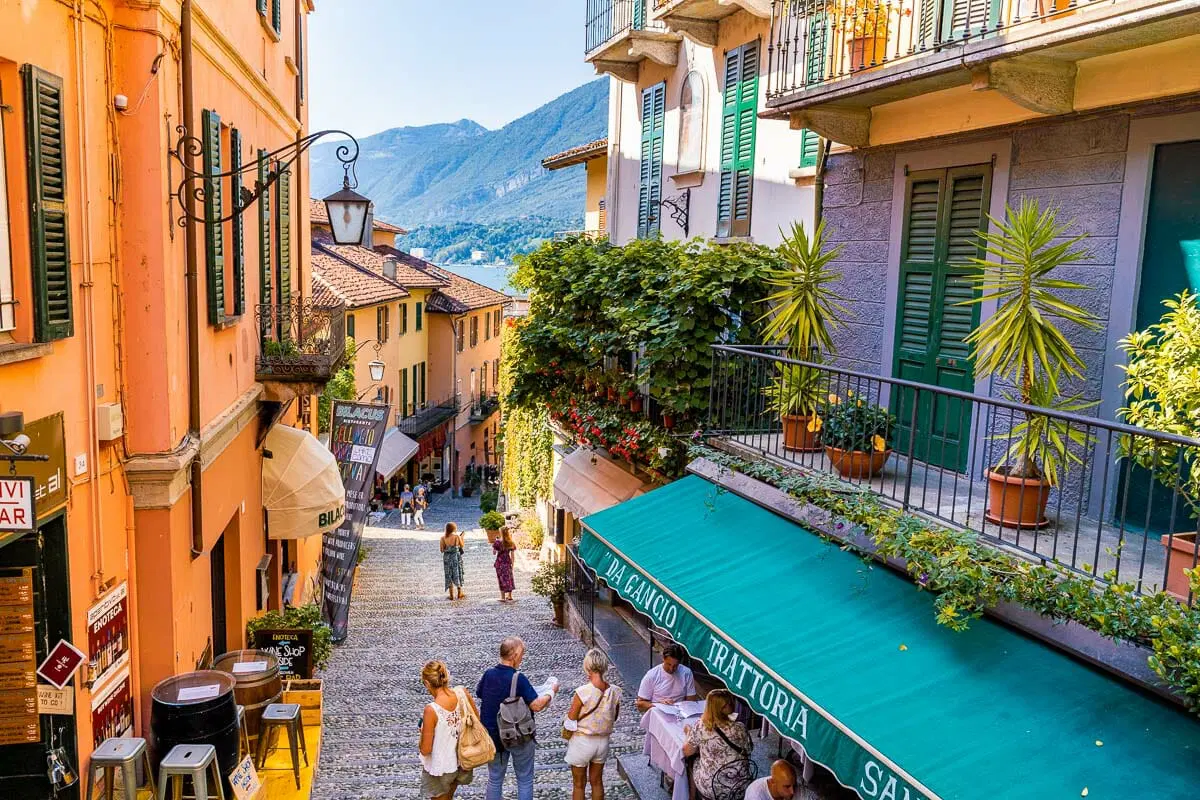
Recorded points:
193,288
819,181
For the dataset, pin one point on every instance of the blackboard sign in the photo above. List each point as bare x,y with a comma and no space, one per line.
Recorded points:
291,646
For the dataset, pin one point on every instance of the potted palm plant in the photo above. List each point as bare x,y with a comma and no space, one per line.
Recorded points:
1162,387
1022,344
856,434
802,313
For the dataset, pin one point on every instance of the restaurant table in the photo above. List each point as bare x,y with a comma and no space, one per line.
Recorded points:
664,746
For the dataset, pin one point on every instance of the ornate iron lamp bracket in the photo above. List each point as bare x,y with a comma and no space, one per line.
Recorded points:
680,207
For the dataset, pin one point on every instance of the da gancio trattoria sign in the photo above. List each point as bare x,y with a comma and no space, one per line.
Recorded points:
825,741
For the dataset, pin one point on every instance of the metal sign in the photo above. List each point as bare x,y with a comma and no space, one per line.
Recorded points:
59,667
16,504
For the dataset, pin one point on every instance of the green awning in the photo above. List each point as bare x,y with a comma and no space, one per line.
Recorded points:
847,660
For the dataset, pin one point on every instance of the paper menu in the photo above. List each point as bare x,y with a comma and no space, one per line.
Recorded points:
545,688
199,692
249,666
684,709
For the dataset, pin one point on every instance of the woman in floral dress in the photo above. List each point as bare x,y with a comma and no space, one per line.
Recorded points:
452,545
504,548
723,769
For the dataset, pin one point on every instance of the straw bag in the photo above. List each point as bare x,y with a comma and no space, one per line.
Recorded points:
475,745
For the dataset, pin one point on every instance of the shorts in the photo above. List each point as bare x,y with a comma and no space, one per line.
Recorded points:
584,749
438,785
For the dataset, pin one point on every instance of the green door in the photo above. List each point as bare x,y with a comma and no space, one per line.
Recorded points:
944,209
1170,264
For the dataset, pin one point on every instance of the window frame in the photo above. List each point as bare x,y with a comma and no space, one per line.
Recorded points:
8,302
420,318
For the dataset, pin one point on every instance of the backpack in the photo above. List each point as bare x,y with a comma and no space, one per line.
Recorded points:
514,720
475,745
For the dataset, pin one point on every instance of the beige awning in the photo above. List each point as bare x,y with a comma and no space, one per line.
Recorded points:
395,451
301,485
587,482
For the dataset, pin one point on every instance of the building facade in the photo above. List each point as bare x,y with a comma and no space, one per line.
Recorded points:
594,158
134,316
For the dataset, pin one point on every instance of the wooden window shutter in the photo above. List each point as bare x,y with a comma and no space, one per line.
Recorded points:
422,383
964,18
654,112
808,148
416,385
53,312
214,209
379,325
350,325
739,118
420,317
817,55
639,14
238,227
285,237
403,392
277,16
262,7
265,268
404,318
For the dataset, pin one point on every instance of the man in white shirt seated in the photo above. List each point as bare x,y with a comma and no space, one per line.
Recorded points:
780,785
668,683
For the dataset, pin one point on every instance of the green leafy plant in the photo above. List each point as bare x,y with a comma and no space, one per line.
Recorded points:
853,423
340,387
306,616
492,521
526,437
363,552
550,581
804,309
533,533
489,500
797,390
1162,384
1021,341
281,348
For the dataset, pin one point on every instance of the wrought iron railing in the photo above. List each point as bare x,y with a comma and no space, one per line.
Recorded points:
814,42
484,405
425,419
608,19
299,341
1105,517
581,589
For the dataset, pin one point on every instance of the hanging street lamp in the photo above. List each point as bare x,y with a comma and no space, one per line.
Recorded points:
376,368
347,211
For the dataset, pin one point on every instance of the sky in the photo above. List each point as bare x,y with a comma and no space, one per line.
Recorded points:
379,64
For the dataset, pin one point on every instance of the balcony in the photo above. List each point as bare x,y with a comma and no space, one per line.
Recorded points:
424,420
698,19
1106,519
483,406
621,33
831,61
301,346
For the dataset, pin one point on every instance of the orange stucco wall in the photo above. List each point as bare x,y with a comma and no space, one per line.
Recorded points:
486,350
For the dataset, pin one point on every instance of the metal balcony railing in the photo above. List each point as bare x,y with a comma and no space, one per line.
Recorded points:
483,406
299,342
1105,518
815,42
608,19
425,419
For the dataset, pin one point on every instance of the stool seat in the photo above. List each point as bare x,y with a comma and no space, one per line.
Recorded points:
120,755
189,757
286,716
195,761
119,750
281,712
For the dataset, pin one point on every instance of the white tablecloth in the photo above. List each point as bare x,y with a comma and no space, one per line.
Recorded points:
664,746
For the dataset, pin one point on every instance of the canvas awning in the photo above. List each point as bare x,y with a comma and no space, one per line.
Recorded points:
395,451
587,482
845,657
301,485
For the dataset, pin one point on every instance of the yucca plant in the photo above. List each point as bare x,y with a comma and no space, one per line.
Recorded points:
803,310
1021,341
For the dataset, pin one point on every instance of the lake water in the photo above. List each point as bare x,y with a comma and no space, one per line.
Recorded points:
492,277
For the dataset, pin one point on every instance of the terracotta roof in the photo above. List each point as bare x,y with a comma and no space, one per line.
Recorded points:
339,281
457,295
320,216
576,155
406,275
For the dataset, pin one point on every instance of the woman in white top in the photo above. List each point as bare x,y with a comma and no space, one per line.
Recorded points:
440,727
593,711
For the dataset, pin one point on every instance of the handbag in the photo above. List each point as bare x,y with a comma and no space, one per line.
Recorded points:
567,733
475,745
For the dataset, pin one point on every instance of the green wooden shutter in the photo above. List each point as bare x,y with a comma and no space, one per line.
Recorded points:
265,268
927,24
214,230
262,7
817,55
654,111
239,225
53,312
416,385
966,18
404,318
420,317
403,392
277,16
285,237
808,148
423,400
350,325
639,14
739,120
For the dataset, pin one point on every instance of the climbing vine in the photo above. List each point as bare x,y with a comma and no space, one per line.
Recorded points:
527,437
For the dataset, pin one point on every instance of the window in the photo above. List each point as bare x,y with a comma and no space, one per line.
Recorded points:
474,330
496,321
299,53
416,386
654,113
273,16
403,392
691,126
283,239
350,325
496,373
808,148
236,305
7,317
214,231
483,380
739,119
420,316
265,270
403,318
487,326
602,224
423,400
458,335
382,323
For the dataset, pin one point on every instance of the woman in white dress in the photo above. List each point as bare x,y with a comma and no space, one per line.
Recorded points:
593,712
440,727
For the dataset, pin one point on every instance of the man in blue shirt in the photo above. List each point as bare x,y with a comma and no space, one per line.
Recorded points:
493,689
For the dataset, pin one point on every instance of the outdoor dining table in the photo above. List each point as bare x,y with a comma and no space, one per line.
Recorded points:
664,746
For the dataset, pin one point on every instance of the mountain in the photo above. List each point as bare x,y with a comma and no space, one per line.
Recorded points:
438,175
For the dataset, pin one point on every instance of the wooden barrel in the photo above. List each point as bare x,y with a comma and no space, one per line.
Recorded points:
196,708
258,683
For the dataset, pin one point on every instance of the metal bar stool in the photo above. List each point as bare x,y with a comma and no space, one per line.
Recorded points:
243,734
193,761
123,754
286,716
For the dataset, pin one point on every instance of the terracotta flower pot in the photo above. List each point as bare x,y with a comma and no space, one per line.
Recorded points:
1015,502
668,421
635,404
612,395
863,52
492,536
560,613
857,463
796,435
1181,555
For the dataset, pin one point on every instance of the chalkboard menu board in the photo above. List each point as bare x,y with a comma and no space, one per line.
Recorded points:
18,681
291,646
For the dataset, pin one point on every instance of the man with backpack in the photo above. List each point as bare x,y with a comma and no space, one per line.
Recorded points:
507,703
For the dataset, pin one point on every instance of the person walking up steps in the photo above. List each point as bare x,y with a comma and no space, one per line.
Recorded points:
452,546
440,726
420,503
406,506
504,547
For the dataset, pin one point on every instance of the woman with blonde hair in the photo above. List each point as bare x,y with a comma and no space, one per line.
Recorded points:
594,710
440,727
504,547
452,546
723,769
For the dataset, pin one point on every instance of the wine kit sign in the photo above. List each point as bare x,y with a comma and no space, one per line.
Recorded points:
356,432
292,648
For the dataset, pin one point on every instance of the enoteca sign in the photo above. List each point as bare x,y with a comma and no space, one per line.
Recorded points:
16,505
